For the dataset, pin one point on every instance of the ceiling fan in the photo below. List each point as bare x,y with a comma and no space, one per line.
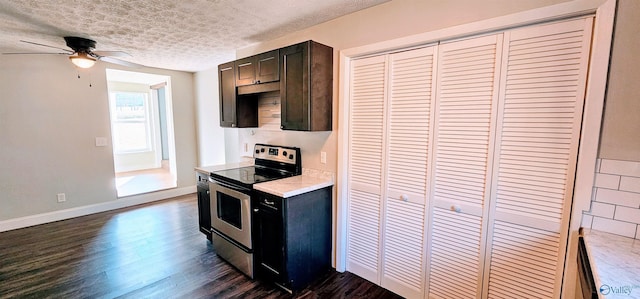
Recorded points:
83,55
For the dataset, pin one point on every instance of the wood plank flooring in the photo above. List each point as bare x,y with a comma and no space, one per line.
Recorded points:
147,251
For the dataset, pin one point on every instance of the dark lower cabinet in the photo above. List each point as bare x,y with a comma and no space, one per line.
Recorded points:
204,204
292,238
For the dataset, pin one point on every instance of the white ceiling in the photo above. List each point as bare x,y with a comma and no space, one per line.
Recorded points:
191,35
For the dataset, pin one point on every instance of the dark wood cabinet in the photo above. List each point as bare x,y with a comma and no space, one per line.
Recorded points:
301,73
227,87
306,87
204,204
292,237
258,69
235,111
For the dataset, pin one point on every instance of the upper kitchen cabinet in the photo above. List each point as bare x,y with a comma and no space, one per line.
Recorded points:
235,111
227,85
258,69
306,87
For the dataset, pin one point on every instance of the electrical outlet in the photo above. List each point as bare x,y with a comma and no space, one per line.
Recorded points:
323,157
246,148
62,197
101,141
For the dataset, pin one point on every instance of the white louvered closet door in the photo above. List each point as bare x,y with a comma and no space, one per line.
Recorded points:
540,112
410,99
467,92
366,141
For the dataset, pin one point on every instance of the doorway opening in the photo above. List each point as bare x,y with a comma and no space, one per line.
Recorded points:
141,131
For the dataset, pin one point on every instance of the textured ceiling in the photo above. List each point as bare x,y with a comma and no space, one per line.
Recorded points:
183,35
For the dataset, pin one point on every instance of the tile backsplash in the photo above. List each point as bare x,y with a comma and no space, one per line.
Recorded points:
615,203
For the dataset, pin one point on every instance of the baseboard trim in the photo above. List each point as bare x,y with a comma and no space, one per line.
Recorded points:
124,202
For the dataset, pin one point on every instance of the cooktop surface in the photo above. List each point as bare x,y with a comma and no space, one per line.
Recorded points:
249,175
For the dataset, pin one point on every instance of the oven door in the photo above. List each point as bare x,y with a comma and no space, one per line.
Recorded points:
231,212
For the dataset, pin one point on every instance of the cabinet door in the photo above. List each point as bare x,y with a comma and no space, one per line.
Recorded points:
268,67
465,117
227,87
261,68
294,87
366,128
245,71
410,99
269,237
306,87
204,211
540,112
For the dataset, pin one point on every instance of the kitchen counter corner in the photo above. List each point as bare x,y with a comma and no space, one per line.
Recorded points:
310,180
615,263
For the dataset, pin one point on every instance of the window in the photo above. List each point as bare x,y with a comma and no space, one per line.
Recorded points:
130,120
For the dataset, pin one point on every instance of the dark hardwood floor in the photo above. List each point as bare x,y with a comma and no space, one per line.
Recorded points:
147,251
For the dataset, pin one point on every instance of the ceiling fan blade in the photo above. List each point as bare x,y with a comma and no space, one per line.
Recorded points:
67,50
120,62
36,53
112,53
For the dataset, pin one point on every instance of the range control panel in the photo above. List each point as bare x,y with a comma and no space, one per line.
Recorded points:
289,155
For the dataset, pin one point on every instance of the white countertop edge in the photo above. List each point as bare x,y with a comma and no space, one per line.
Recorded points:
310,180
265,187
592,263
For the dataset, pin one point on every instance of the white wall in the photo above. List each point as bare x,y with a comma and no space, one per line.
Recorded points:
48,123
621,124
211,149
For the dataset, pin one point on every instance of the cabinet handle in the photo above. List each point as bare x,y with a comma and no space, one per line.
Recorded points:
456,209
282,127
256,210
269,202
257,81
404,197
208,192
233,125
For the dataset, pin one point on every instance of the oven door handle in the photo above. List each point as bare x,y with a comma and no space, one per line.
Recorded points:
232,187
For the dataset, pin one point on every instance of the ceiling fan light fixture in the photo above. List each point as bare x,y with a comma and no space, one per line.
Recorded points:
82,60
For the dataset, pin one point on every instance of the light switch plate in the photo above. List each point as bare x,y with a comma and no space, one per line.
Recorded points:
323,157
101,141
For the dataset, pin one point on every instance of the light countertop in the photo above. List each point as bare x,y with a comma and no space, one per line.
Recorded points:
310,180
615,263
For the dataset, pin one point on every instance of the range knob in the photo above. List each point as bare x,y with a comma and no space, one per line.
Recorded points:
257,151
291,156
262,150
284,153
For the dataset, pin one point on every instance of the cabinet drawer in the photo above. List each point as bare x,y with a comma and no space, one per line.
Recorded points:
273,203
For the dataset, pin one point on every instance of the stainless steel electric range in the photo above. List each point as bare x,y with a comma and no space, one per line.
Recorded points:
231,192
